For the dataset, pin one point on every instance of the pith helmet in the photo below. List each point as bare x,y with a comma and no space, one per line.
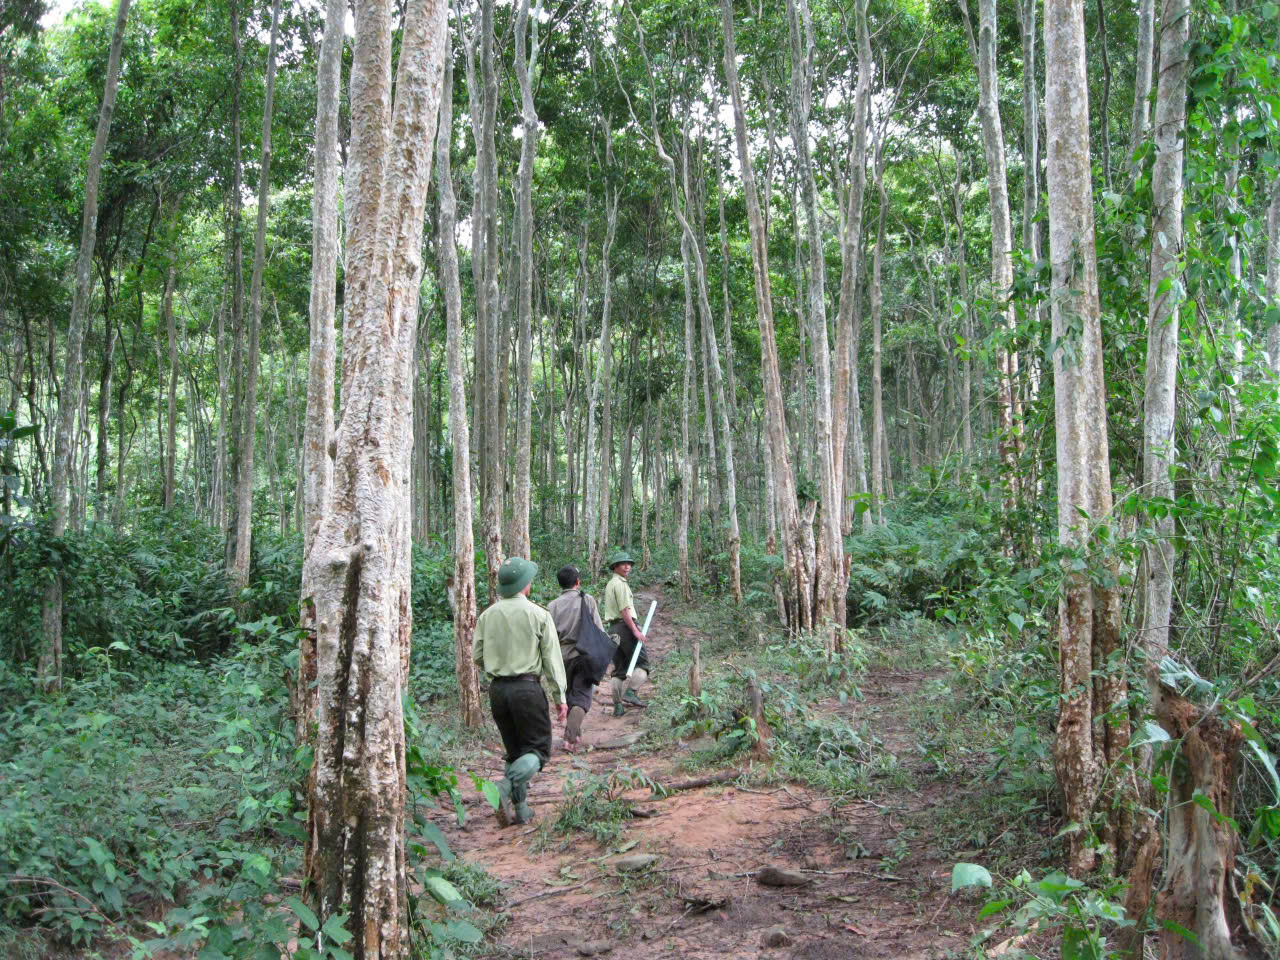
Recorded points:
620,556
514,575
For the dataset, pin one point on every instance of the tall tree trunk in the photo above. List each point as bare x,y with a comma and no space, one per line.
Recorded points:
828,569
317,464
688,444
360,560
878,457
846,415
49,664
524,216
171,434
1031,161
599,393
239,574
103,459
1143,57
235,424
1089,614
984,54
464,567
800,584
1200,849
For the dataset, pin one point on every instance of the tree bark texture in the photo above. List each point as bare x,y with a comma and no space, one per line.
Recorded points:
1001,229
524,225
244,483
360,560
1165,294
1088,614
49,664
317,464
464,549
800,583
171,409
828,567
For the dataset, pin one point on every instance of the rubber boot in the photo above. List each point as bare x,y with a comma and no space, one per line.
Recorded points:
616,686
506,811
573,728
522,772
638,677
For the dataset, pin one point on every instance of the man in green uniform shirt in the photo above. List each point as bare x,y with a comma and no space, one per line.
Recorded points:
620,616
515,642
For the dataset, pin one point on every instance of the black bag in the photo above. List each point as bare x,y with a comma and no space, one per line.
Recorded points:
593,643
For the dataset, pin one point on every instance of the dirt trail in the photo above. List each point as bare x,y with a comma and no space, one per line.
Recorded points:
702,899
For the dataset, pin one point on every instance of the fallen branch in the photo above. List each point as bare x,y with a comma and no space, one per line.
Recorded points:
546,893
726,776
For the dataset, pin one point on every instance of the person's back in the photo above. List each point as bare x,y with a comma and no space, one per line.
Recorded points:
566,611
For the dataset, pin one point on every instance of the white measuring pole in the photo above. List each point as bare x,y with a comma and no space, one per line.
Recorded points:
653,607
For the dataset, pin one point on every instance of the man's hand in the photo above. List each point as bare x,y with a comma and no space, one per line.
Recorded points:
562,713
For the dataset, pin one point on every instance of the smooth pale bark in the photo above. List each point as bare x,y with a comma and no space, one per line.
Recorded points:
235,371
687,445
845,412
111,336
49,664
966,320
171,407
1089,615
984,54
495,351
464,568
1199,851
1031,238
318,432
316,462
799,578
360,560
1144,53
828,566
524,225
732,395
878,441
600,391
239,574
1165,294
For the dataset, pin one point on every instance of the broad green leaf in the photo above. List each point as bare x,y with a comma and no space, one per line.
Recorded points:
490,791
969,875
444,891
433,833
464,931
304,912
335,930
995,906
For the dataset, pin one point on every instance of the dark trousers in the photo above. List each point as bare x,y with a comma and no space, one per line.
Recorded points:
523,718
626,647
581,687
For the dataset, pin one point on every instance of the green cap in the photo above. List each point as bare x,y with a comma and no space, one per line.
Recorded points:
514,575
620,556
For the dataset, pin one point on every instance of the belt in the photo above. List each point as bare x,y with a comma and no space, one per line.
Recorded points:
516,678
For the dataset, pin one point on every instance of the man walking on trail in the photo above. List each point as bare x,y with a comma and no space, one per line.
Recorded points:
620,615
567,611
515,642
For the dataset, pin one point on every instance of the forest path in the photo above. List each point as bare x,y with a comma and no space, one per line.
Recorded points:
877,885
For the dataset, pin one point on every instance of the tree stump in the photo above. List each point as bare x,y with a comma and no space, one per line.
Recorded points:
755,710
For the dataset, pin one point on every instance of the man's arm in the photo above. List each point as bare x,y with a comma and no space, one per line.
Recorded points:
553,663
477,647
